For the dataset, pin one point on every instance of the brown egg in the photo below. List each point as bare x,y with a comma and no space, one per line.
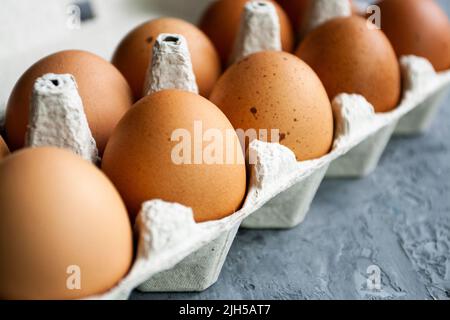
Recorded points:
418,27
4,151
61,221
222,20
133,54
276,90
351,58
105,93
142,160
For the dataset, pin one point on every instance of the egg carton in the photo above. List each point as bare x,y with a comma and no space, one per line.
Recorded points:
196,272
419,120
176,254
364,159
289,208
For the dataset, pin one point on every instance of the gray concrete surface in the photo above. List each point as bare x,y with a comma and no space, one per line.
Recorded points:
397,219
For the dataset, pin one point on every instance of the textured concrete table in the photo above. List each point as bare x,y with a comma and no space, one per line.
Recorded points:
398,220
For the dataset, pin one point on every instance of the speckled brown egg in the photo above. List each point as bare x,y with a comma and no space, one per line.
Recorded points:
145,161
351,58
221,23
64,230
133,54
104,91
418,27
277,91
4,151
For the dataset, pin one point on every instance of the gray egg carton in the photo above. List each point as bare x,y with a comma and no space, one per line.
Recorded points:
419,120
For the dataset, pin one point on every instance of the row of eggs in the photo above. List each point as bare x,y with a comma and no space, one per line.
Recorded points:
57,210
